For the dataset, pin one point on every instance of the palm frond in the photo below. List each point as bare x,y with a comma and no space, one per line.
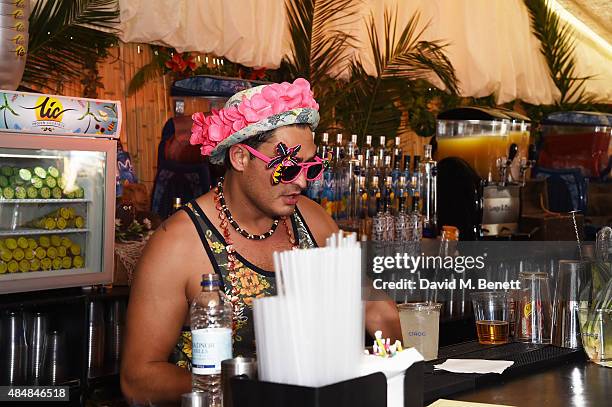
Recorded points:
557,44
374,104
63,37
316,48
147,73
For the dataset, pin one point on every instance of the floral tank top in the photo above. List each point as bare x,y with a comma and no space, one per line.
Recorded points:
253,282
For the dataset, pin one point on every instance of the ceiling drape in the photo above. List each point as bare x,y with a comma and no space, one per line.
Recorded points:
490,41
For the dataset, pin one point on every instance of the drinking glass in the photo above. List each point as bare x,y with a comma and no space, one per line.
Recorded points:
420,323
534,308
492,313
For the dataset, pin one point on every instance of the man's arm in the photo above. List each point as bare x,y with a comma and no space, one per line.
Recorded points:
381,314
157,309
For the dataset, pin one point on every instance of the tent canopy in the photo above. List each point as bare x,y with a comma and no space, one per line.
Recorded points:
490,42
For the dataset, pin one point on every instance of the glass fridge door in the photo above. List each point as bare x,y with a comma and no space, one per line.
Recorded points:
55,205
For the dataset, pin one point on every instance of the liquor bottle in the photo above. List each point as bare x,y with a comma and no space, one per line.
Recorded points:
328,192
352,148
428,174
341,179
396,172
415,225
374,187
378,222
381,151
368,152
315,188
361,208
211,333
397,152
402,218
389,219
406,170
415,179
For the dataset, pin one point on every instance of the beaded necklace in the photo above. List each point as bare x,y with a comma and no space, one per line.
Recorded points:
234,291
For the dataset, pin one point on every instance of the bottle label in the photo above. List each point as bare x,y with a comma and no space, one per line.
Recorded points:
209,347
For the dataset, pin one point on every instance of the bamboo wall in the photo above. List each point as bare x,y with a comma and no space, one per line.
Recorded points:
145,112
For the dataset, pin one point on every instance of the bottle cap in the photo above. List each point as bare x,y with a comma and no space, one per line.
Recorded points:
354,138
210,280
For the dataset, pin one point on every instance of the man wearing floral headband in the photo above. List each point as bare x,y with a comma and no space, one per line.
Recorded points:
263,138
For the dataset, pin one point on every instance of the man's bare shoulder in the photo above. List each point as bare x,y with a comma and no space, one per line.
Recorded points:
319,222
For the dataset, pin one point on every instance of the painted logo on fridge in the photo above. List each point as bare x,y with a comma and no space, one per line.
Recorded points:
49,113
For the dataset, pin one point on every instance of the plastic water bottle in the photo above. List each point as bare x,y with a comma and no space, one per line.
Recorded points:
211,332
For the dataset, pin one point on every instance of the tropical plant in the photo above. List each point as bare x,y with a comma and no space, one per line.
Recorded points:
557,44
319,45
374,104
64,34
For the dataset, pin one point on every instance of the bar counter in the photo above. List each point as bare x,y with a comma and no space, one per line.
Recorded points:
573,384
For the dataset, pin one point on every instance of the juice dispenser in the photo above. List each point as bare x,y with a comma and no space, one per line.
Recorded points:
482,156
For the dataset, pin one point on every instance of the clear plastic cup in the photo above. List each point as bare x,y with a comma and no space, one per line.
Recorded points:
420,323
492,314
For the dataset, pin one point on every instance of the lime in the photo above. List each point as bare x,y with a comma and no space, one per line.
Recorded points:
51,182
66,242
20,192
10,243
79,222
45,263
40,172
37,182
75,249
28,254
32,192
52,252
24,266
22,242
13,266
25,174
8,193
61,223
54,172
32,243
78,262
6,255
4,182
56,240
45,193
34,265
57,193
18,254
44,241
6,171
40,253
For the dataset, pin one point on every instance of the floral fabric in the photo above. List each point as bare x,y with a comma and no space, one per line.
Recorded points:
252,283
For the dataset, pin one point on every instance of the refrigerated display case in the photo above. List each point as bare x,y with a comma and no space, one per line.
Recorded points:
57,191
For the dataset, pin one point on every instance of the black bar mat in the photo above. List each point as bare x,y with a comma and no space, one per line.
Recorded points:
526,358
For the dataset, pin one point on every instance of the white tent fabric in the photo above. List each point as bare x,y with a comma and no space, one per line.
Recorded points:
490,43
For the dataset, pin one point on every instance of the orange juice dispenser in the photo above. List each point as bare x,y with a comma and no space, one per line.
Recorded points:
481,154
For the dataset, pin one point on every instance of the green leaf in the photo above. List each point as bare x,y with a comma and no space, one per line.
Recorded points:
63,36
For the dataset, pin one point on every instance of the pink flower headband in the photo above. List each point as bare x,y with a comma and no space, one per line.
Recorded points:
278,100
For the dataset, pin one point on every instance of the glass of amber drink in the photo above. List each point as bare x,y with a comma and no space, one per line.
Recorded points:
492,312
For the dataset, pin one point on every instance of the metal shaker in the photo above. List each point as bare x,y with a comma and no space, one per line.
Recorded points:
37,340
13,350
235,367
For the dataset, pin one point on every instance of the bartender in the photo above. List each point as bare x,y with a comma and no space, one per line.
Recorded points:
263,139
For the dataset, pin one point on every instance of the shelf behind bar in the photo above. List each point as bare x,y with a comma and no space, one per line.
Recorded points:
30,232
41,201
